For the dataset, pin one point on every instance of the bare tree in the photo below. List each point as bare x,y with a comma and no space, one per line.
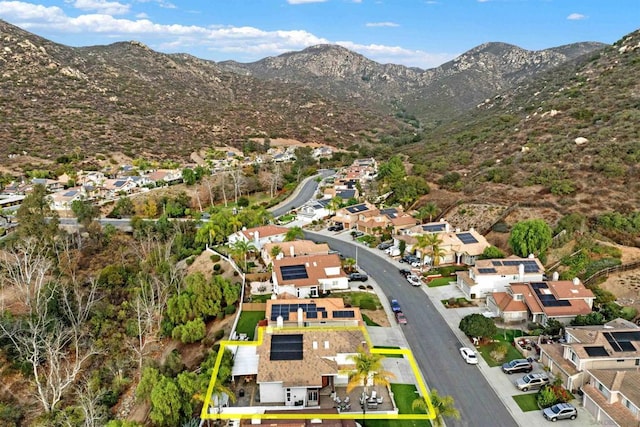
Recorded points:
56,348
276,179
222,181
239,182
95,413
144,310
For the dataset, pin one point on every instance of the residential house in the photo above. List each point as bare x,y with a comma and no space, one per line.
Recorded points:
118,186
612,396
308,276
377,221
62,200
614,345
293,366
538,302
322,152
350,215
293,249
488,276
296,312
165,176
49,184
315,209
259,236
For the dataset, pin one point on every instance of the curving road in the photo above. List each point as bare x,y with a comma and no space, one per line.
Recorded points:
433,343
303,194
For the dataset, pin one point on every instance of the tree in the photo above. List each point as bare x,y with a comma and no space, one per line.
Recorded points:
84,211
348,264
334,204
36,217
491,252
189,176
275,251
530,237
476,325
430,209
442,405
208,232
294,233
240,249
368,370
402,247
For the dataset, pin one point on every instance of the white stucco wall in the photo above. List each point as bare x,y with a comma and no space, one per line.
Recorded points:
271,393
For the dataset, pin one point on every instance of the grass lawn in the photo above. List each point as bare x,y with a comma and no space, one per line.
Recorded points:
397,356
526,402
404,395
357,299
368,320
505,336
440,281
287,218
260,298
248,322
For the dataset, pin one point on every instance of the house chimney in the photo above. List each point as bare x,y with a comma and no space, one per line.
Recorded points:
279,322
531,256
521,272
576,281
300,318
555,276
457,229
256,237
292,251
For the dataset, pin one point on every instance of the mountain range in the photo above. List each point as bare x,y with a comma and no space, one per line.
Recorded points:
496,117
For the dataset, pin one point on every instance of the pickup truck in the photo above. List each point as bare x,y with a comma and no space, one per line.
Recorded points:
395,306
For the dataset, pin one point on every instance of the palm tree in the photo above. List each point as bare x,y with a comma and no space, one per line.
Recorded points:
207,233
334,204
422,214
427,241
234,222
275,251
442,405
437,253
241,248
430,209
348,264
368,370
294,233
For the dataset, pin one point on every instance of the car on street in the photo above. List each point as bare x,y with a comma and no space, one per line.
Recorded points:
358,277
356,234
385,245
336,227
517,365
414,280
392,251
401,318
532,382
469,355
404,271
560,411
395,306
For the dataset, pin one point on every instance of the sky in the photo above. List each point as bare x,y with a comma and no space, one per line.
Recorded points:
416,33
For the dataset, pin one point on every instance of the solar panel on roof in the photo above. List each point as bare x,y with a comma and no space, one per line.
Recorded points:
486,270
294,272
286,347
511,263
343,314
434,228
357,208
497,263
596,351
621,341
530,267
467,238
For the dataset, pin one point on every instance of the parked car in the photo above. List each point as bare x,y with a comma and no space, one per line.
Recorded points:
469,355
517,365
395,306
336,227
560,411
392,251
404,271
532,382
414,280
358,277
385,245
409,259
401,318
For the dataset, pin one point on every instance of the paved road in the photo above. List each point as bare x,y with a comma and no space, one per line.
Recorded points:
305,193
433,343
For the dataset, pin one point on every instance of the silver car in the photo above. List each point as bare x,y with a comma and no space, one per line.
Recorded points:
560,411
532,382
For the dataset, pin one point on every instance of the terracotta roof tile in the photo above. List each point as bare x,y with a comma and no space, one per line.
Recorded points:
317,267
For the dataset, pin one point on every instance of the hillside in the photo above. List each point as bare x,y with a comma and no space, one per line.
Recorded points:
126,97
570,137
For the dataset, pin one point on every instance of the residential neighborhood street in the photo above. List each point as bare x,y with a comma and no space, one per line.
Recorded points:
304,192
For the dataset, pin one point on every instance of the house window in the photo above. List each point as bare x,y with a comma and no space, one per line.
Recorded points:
637,362
326,344
574,358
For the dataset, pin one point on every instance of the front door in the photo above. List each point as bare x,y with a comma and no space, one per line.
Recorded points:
312,397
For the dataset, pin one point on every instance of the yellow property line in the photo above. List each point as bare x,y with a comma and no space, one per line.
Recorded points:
296,415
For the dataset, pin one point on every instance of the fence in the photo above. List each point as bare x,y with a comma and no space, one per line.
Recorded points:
615,269
236,268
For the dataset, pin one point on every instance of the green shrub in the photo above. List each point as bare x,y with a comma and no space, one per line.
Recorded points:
219,334
217,267
190,260
230,309
215,258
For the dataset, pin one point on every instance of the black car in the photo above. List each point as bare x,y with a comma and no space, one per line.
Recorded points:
409,259
385,245
404,271
358,277
336,227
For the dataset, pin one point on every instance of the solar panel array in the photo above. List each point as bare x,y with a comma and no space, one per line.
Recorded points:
343,314
596,351
434,228
357,208
621,341
294,272
486,270
548,300
467,238
284,309
529,265
286,347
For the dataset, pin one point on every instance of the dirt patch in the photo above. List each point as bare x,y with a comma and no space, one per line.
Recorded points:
626,287
475,215
378,316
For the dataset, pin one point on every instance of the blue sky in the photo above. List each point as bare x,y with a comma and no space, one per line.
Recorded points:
420,33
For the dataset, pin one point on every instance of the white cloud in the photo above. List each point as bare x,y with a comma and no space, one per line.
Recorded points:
141,15
381,24
100,6
305,1
576,17
212,42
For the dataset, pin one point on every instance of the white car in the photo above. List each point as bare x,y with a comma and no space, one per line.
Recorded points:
469,355
414,280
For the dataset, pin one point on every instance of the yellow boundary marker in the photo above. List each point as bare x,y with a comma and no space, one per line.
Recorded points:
296,415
